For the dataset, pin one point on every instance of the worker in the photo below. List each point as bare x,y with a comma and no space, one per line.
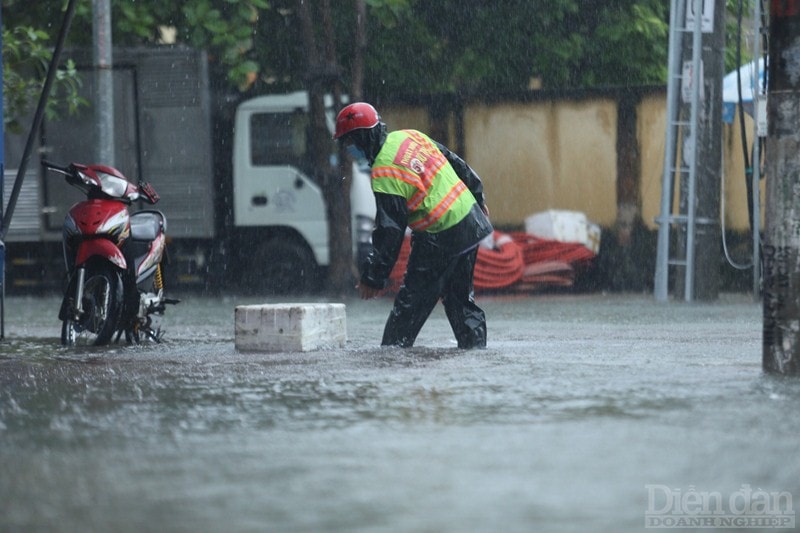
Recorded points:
420,184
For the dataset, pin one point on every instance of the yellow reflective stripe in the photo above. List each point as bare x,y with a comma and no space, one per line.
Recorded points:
400,174
427,180
439,160
416,200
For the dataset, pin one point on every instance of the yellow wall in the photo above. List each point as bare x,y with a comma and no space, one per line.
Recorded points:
735,197
543,155
652,128
409,117
651,132
561,154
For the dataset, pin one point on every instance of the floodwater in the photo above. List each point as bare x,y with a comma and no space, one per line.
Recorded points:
585,413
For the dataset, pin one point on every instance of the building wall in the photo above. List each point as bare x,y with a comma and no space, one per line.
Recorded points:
651,128
545,155
557,152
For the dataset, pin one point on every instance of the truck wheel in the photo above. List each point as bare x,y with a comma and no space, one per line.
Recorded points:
282,266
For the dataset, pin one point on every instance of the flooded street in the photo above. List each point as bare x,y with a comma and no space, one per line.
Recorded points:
582,415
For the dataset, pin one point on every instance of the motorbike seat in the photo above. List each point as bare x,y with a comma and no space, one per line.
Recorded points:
146,225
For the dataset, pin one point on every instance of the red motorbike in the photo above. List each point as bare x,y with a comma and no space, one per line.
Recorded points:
113,258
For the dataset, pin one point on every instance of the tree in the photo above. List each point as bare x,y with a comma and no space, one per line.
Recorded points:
407,47
323,78
414,46
223,27
26,57
470,46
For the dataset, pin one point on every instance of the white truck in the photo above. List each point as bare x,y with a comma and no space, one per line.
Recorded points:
243,210
272,190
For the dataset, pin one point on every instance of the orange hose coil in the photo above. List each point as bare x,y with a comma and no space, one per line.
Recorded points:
514,260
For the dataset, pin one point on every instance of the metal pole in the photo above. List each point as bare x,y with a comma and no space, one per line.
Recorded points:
104,96
697,84
677,16
2,192
757,98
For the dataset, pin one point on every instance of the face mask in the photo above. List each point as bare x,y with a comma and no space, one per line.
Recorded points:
356,152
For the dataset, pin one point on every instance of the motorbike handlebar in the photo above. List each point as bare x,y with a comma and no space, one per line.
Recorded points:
148,192
52,166
144,190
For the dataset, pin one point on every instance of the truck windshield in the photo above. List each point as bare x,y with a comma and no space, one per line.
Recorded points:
278,138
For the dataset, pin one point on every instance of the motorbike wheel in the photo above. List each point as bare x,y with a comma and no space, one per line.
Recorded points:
102,307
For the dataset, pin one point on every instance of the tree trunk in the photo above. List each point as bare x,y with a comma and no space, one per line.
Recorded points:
337,189
323,78
628,169
357,69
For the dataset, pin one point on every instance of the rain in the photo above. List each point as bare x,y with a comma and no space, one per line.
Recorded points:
579,403
595,405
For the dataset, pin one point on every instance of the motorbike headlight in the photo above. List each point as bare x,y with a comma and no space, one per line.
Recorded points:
113,186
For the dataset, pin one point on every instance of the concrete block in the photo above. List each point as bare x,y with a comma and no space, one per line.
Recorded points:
291,327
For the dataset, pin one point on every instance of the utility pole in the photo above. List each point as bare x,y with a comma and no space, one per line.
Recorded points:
104,93
2,195
781,311
709,161
693,151
708,147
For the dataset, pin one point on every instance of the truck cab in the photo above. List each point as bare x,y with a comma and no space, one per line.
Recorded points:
277,206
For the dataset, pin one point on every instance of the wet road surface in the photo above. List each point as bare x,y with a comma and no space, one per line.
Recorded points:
582,414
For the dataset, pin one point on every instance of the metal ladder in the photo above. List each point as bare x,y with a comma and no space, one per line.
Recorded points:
684,171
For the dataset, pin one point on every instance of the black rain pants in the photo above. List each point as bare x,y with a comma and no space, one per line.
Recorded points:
432,275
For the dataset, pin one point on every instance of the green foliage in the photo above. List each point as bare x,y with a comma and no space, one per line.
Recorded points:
223,27
471,45
633,38
26,57
389,13
739,47
414,46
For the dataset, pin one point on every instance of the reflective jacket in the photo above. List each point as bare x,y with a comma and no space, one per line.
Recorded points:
421,184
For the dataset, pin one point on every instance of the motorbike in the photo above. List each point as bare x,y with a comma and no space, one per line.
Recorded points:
115,282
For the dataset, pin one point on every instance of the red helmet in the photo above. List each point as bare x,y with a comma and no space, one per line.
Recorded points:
359,115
